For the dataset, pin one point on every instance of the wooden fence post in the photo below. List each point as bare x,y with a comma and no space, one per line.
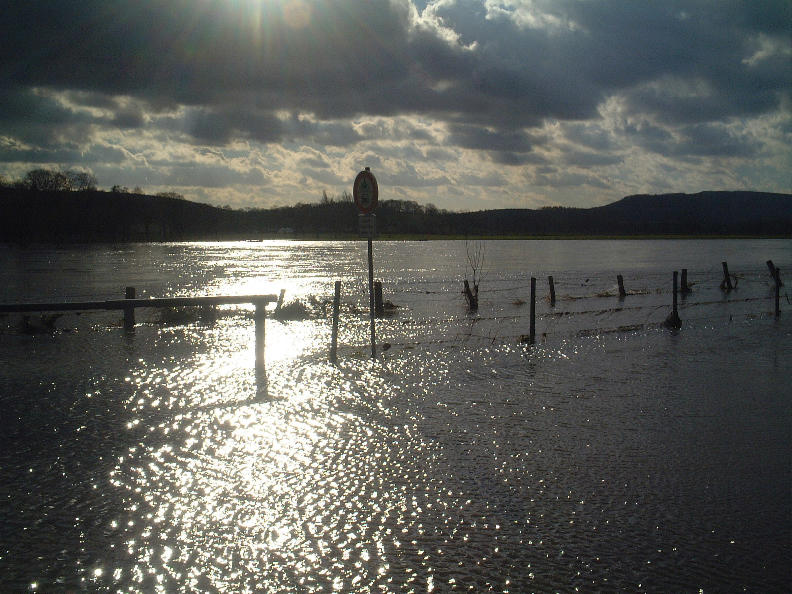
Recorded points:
280,299
334,337
379,308
622,292
129,312
726,285
532,330
673,321
552,290
773,270
778,285
684,287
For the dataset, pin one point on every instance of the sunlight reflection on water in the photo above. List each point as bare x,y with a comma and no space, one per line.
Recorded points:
459,460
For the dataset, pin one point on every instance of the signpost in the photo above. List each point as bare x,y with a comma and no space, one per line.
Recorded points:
365,193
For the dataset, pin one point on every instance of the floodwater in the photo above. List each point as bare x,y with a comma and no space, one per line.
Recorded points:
612,454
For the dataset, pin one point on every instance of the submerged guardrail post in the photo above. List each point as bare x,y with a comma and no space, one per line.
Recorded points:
129,312
726,285
622,292
532,329
552,290
334,337
260,317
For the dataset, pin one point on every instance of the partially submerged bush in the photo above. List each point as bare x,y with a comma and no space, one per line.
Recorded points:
295,310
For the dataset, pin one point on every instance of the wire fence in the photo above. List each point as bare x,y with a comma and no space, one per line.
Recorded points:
434,311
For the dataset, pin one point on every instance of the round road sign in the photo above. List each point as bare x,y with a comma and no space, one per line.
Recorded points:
365,191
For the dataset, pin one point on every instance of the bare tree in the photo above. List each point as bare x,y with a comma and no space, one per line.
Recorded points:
45,179
81,180
475,252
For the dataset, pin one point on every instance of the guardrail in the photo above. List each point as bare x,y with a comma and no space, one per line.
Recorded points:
130,303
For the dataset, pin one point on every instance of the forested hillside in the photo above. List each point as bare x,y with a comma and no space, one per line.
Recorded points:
56,216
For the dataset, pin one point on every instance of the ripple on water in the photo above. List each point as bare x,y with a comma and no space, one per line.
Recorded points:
569,464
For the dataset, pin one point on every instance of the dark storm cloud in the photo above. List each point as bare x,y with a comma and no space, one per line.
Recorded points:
323,133
218,126
128,119
336,59
477,137
493,76
19,105
97,153
713,140
39,119
586,159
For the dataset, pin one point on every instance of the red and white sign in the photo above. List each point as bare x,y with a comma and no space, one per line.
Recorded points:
365,191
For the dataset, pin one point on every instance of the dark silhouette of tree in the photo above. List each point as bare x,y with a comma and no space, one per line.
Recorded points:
173,195
47,180
81,181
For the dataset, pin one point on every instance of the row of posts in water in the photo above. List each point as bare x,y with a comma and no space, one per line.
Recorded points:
673,321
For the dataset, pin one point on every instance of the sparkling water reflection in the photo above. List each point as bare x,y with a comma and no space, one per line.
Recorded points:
637,459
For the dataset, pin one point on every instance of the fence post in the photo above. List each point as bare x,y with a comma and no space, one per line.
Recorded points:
726,285
129,312
622,292
684,287
773,270
532,330
552,290
379,308
778,284
334,338
260,316
673,321
280,299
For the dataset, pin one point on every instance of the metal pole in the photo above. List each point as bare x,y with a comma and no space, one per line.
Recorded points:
532,327
371,292
334,338
260,317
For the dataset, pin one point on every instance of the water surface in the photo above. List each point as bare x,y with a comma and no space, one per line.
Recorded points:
612,454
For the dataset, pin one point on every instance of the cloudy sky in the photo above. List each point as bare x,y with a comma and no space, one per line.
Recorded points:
465,104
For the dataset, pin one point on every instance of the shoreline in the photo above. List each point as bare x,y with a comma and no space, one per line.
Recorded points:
402,237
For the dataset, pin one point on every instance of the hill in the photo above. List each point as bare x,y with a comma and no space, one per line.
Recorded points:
31,216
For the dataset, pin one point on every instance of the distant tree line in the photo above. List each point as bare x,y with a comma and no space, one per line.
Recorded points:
48,180
76,212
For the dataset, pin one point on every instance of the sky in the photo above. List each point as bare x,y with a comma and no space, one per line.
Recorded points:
464,104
